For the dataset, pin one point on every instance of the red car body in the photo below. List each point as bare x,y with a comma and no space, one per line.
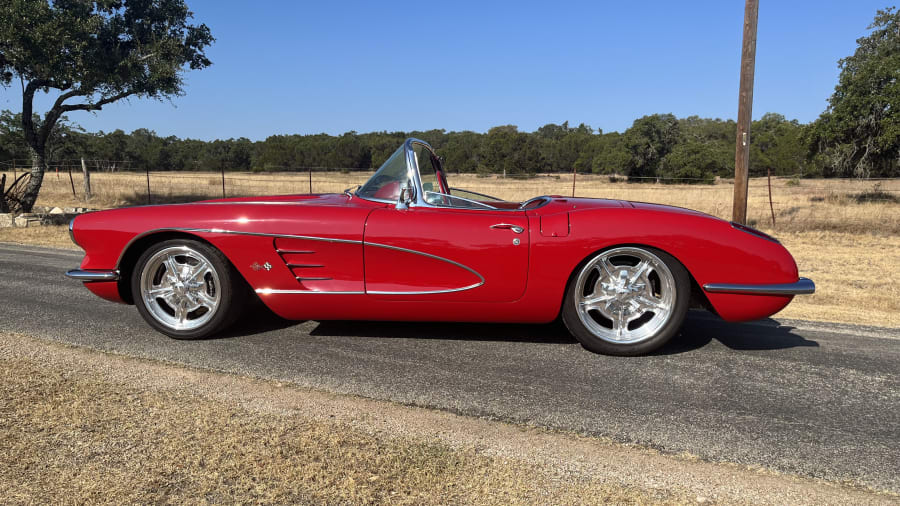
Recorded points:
371,253
406,246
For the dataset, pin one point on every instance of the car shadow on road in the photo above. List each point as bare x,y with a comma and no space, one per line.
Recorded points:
257,319
552,333
700,329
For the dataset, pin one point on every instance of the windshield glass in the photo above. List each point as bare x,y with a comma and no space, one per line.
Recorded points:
428,169
385,184
415,166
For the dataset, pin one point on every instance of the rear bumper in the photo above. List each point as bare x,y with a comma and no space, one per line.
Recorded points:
82,275
803,286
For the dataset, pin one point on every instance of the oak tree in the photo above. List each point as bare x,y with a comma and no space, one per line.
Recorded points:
88,54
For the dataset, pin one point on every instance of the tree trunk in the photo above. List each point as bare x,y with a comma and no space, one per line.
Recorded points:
38,167
4,206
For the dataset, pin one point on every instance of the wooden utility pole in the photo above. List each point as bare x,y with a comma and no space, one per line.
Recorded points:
745,110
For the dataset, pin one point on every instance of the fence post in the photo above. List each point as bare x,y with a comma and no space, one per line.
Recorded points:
310,179
574,171
72,182
87,180
223,181
771,206
148,184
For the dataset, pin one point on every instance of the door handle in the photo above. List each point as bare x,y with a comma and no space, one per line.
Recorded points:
506,226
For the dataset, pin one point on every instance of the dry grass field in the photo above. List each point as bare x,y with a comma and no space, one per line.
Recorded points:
857,206
845,234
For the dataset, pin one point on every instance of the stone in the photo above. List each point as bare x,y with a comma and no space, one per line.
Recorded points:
57,210
6,220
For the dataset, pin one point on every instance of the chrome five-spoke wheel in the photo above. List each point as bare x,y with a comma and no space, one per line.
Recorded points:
627,300
180,288
184,289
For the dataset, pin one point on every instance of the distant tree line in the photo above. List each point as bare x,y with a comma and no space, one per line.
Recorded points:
659,146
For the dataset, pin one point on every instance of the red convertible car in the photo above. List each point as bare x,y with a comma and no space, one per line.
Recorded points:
407,246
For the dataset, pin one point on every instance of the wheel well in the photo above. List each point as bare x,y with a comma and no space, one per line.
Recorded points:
698,298
135,249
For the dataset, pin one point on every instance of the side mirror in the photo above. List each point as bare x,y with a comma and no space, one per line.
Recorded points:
405,198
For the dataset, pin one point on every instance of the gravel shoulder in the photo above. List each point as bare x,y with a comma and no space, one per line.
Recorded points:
93,426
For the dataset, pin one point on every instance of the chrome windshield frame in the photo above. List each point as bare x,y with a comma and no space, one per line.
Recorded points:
413,175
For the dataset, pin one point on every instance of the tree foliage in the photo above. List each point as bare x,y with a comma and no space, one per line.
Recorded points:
648,141
656,147
859,133
91,53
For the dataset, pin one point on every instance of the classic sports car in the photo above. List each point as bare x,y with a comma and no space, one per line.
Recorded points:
407,246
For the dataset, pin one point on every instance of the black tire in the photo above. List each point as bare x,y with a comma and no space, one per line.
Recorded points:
593,335
223,283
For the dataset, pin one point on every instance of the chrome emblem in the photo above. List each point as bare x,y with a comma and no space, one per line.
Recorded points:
256,267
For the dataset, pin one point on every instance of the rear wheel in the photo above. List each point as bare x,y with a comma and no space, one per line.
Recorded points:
186,289
627,300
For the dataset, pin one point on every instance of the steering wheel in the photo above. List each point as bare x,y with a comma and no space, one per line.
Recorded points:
527,203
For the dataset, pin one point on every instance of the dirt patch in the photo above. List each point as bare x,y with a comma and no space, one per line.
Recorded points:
84,426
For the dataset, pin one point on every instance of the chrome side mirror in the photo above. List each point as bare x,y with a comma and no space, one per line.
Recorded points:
405,198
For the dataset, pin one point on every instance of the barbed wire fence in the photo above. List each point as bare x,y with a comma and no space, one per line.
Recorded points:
112,183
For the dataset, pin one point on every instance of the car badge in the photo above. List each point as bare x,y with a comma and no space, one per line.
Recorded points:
256,267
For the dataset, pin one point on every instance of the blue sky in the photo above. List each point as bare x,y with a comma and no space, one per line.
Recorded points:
282,67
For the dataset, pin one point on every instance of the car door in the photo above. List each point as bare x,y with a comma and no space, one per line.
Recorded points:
446,254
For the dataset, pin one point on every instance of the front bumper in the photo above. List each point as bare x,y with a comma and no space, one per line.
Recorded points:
82,275
803,286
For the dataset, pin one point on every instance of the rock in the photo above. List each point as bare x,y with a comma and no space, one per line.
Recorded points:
56,210
6,220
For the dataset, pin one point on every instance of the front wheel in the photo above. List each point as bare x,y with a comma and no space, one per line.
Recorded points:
627,300
186,289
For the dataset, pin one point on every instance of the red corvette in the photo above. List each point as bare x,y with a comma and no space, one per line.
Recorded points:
407,246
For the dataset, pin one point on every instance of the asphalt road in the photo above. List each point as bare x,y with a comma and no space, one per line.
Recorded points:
816,399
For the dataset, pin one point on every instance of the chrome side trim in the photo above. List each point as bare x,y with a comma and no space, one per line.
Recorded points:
429,255
304,266
267,291
324,239
803,286
86,276
429,292
264,234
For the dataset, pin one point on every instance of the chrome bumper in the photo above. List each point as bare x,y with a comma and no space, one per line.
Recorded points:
803,286
81,275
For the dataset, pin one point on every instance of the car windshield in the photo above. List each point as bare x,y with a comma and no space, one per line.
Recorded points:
385,184
415,166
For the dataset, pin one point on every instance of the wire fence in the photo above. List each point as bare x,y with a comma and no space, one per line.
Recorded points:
834,204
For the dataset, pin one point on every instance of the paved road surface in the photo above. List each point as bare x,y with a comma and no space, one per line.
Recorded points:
817,399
